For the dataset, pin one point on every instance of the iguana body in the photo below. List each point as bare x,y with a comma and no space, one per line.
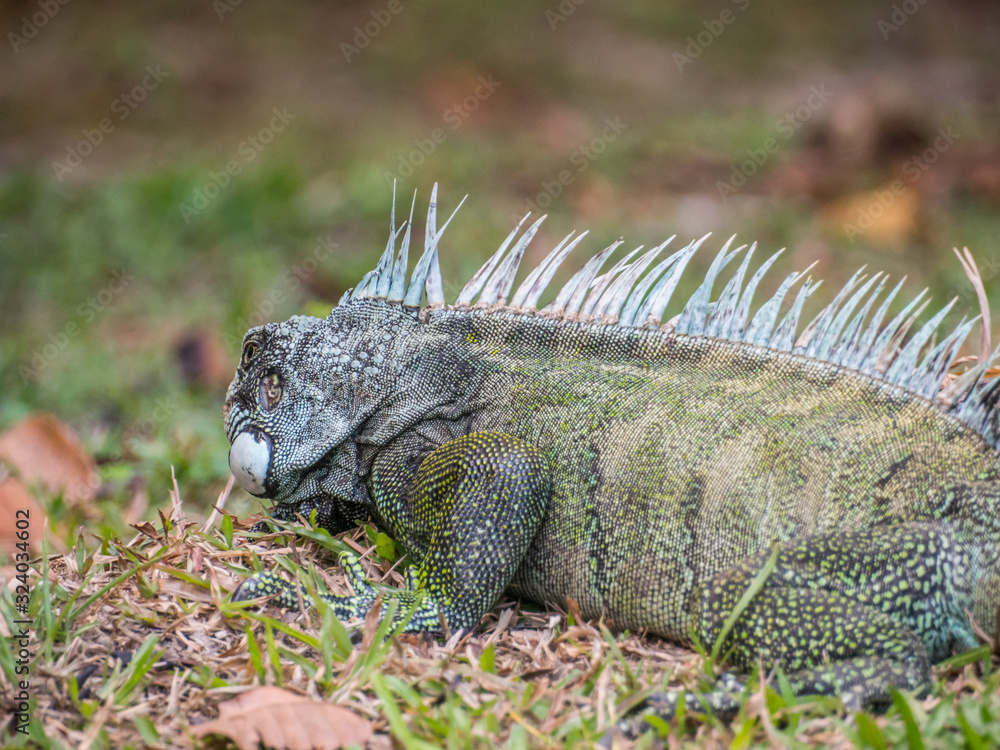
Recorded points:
645,472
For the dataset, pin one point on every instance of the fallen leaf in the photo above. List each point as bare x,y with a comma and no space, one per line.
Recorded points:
277,718
371,624
184,590
42,449
17,504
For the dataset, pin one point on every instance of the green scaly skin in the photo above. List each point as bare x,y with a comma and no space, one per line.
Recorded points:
487,490
648,475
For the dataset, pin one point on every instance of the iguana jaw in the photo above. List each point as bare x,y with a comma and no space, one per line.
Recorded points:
332,488
250,460
257,466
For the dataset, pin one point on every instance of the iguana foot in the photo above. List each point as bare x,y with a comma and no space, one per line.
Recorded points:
267,583
285,593
260,527
416,609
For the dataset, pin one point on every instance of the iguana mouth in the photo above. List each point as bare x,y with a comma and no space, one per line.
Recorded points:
250,460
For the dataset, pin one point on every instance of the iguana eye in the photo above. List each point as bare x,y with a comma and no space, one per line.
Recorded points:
250,351
270,391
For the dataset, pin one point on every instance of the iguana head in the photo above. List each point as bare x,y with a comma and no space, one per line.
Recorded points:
267,401
306,393
311,395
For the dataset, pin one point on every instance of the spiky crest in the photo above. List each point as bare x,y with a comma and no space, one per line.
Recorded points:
626,296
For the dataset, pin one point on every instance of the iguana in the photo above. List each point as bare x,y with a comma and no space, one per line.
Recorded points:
654,473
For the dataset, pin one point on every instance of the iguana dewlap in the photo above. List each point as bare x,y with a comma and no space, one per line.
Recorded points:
649,472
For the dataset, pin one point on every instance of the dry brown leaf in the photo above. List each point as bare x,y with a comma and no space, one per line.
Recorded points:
42,449
371,625
17,504
184,590
281,719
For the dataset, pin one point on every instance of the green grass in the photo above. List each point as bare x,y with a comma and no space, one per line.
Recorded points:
492,687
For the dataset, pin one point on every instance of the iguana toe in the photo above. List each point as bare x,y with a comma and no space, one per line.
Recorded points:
267,583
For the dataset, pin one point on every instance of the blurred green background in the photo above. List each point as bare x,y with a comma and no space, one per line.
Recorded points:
171,173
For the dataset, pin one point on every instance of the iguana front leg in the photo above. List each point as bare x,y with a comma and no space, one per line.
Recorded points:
850,614
474,506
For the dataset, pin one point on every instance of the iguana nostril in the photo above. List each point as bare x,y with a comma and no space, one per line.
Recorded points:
250,460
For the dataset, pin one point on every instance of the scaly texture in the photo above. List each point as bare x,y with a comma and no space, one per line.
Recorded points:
649,472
